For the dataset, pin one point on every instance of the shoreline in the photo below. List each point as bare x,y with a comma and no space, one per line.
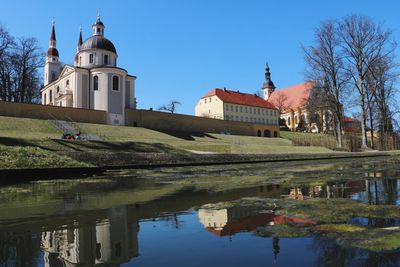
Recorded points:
165,160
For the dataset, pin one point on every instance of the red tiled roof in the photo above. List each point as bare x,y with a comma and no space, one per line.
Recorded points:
292,97
239,98
348,119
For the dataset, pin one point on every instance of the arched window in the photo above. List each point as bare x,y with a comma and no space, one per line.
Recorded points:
58,89
51,96
115,83
105,59
67,83
95,83
44,99
258,133
267,133
91,59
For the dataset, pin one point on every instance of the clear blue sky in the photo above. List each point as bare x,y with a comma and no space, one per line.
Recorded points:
180,49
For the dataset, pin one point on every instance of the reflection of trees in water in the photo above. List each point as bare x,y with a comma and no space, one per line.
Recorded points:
19,249
330,254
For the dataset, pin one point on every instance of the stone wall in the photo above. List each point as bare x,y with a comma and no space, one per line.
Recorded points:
48,112
177,122
141,118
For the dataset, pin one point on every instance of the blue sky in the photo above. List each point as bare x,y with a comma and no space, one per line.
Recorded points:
180,49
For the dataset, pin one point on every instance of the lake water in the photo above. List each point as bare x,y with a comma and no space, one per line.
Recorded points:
160,217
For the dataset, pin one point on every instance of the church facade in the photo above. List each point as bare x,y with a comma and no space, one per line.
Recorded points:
94,81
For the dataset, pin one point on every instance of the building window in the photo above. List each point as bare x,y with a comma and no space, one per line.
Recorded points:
237,118
95,83
241,109
58,89
91,59
227,107
258,111
67,83
115,83
51,96
205,101
53,76
231,107
44,99
236,108
209,100
105,59
80,60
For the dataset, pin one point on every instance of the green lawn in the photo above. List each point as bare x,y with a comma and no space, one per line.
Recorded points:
26,143
27,128
200,142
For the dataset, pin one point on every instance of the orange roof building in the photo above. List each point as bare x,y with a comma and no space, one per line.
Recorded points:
241,107
292,103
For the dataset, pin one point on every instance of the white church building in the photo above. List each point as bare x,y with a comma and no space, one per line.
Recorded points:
93,82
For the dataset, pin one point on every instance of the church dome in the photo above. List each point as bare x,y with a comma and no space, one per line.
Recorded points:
98,42
52,52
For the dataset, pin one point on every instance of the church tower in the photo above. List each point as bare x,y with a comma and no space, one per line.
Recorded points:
268,86
52,67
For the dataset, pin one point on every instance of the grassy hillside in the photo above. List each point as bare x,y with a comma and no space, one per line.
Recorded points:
37,143
200,142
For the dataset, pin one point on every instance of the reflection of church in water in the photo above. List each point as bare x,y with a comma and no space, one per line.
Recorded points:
110,241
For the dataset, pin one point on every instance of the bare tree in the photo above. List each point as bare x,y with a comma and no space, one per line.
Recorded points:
281,102
171,106
20,62
380,82
27,60
326,68
7,44
363,43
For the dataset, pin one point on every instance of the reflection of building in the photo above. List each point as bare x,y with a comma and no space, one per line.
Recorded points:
229,221
110,241
114,242
295,193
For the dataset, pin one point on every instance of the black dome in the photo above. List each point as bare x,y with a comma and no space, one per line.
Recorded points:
98,42
52,52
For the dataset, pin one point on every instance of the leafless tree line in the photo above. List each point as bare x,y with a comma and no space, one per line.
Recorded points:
20,61
353,58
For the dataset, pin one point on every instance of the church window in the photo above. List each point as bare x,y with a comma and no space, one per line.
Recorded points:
53,75
91,59
105,59
205,101
115,83
95,83
241,109
58,89
51,96
80,60
98,30
67,83
44,99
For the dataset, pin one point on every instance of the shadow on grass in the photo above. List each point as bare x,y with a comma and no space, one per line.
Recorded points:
189,136
89,146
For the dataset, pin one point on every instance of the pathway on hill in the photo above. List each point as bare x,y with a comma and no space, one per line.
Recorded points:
71,128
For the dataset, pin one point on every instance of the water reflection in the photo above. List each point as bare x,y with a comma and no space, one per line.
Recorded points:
112,240
97,223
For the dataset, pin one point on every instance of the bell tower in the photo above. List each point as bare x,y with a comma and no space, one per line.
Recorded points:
52,66
268,86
